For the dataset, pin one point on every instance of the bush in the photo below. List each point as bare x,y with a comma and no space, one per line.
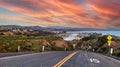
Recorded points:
116,53
27,43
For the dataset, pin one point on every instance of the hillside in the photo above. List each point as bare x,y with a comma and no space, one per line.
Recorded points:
31,43
57,28
99,44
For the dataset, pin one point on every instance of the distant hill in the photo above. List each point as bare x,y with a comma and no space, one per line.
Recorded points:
58,28
81,29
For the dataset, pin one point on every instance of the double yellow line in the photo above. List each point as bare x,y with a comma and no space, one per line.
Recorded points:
59,64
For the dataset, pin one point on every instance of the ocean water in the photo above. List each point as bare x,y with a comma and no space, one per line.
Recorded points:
116,33
74,34
70,38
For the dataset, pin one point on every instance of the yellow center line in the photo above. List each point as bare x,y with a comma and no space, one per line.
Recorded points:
59,64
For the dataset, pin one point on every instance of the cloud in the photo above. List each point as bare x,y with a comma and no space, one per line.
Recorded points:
76,13
107,10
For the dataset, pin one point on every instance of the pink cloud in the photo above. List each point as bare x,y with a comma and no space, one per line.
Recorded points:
94,13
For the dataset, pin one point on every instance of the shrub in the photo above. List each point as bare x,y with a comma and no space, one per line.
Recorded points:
116,53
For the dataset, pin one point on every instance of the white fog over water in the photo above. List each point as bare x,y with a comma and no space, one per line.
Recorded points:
75,33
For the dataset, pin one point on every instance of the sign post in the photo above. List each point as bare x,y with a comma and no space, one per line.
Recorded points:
43,48
65,49
18,48
111,51
109,37
74,45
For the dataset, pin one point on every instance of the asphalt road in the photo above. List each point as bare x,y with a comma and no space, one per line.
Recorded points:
59,59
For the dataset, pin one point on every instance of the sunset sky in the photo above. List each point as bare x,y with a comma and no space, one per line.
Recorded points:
70,13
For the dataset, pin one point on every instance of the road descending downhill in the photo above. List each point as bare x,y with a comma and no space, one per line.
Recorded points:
60,59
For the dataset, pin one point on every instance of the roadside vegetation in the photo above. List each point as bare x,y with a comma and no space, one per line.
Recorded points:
27,43
99,44
95,43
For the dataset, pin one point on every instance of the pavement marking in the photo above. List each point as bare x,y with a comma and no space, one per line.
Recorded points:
91,60
24,55
60,63
94,60
9,57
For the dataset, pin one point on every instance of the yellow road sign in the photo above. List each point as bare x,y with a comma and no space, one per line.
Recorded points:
109,37
109,41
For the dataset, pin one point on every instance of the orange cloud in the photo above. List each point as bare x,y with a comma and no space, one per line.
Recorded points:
107,10
106,7
93,13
